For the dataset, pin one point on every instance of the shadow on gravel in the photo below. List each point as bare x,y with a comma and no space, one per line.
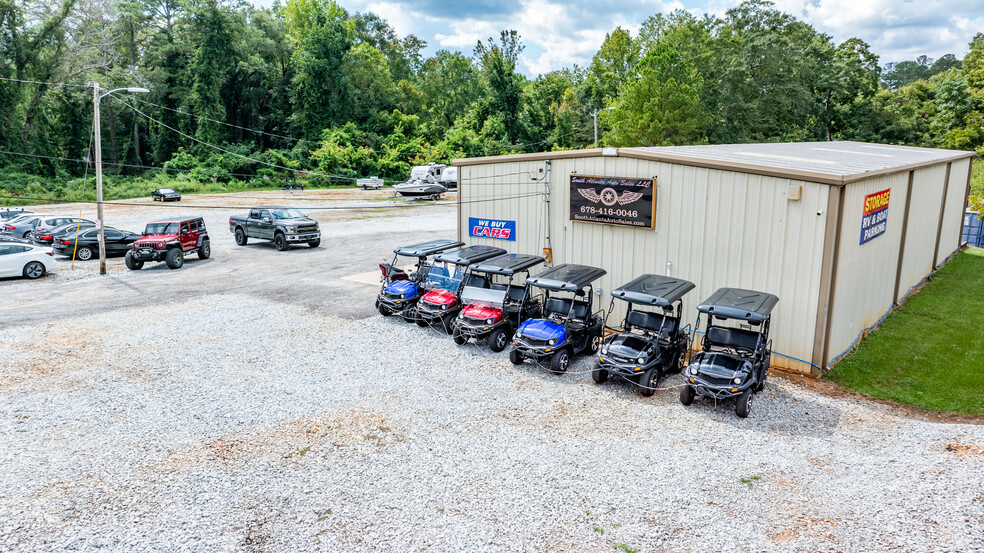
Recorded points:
777,411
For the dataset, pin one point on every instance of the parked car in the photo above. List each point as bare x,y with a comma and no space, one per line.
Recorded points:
54,234
165,195
399,291
372,183
118,242
650,344
567,325
283,225
496,311
43,225
169,240
9,213
22,226
444,282
734,361
26,260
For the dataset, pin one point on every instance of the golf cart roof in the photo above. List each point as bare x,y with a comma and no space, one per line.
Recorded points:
735,303
428,248
470,255
567,277
508,264
661,291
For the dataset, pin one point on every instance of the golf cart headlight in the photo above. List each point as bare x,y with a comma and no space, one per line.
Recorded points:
692,371
604,350
551,342
519,334
738,380
641,360
444,305
488,321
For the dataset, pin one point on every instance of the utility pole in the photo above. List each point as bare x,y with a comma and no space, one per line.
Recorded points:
596,112
96,97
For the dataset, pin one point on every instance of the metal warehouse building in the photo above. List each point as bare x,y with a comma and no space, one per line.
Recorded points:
840,231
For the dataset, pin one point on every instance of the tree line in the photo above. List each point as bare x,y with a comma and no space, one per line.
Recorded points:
242,96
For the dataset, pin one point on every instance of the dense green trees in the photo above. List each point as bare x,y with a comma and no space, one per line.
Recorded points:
308,86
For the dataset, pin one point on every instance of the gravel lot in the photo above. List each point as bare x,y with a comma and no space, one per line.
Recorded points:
255,402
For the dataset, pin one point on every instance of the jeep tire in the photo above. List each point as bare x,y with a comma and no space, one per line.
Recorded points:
315,243
241,238
131,263
280,241
205,250
174,258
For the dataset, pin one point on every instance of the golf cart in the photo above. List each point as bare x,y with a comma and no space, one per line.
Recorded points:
734,360
400,291
651,344
566,326
447,276
496,312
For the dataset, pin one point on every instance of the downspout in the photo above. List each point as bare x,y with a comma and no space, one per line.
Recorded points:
547,246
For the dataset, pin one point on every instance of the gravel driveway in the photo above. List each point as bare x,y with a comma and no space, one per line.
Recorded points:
217,409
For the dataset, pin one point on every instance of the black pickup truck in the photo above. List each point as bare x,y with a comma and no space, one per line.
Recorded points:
283,225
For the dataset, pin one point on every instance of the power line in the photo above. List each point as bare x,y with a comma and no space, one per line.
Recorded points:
41,82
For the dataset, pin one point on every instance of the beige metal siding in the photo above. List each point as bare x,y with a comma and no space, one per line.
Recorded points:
924,219
953,216
715,228
864,285
504,191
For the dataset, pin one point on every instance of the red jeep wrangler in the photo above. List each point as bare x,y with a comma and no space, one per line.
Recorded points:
169,241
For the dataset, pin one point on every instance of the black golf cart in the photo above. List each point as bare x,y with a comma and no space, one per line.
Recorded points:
447,276
651,344
734,359
567,326
496,312
400,291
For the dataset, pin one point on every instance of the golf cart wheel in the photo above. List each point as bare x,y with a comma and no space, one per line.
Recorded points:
421,322
241,238
560,361
132,264
383,310
687,395
595,344
280,242
447,323
744,405
681,362
515,357
498,340
599,375
649,382
409,315
459,338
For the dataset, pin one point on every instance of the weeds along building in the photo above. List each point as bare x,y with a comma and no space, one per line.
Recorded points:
840,231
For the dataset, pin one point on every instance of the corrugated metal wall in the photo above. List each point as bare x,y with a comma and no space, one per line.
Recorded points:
865,278
715,228
953,217
924,220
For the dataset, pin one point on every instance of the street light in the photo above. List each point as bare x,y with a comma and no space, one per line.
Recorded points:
596,112
96,97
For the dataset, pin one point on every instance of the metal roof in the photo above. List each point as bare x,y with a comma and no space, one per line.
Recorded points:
508,264
567,277
736,303
658,290
469,255
837,163
427,248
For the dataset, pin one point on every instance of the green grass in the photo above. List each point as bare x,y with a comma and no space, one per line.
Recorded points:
930,352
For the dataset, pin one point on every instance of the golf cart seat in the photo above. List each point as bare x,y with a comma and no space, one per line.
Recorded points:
558,306
515,295
732,338
652,322
391,272
477,281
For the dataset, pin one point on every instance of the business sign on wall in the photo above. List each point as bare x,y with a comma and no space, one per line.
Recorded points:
874,217
613,200
490,228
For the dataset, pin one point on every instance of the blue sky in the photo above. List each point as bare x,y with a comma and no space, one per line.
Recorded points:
559,33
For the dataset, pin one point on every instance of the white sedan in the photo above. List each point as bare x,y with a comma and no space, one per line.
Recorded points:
27,260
